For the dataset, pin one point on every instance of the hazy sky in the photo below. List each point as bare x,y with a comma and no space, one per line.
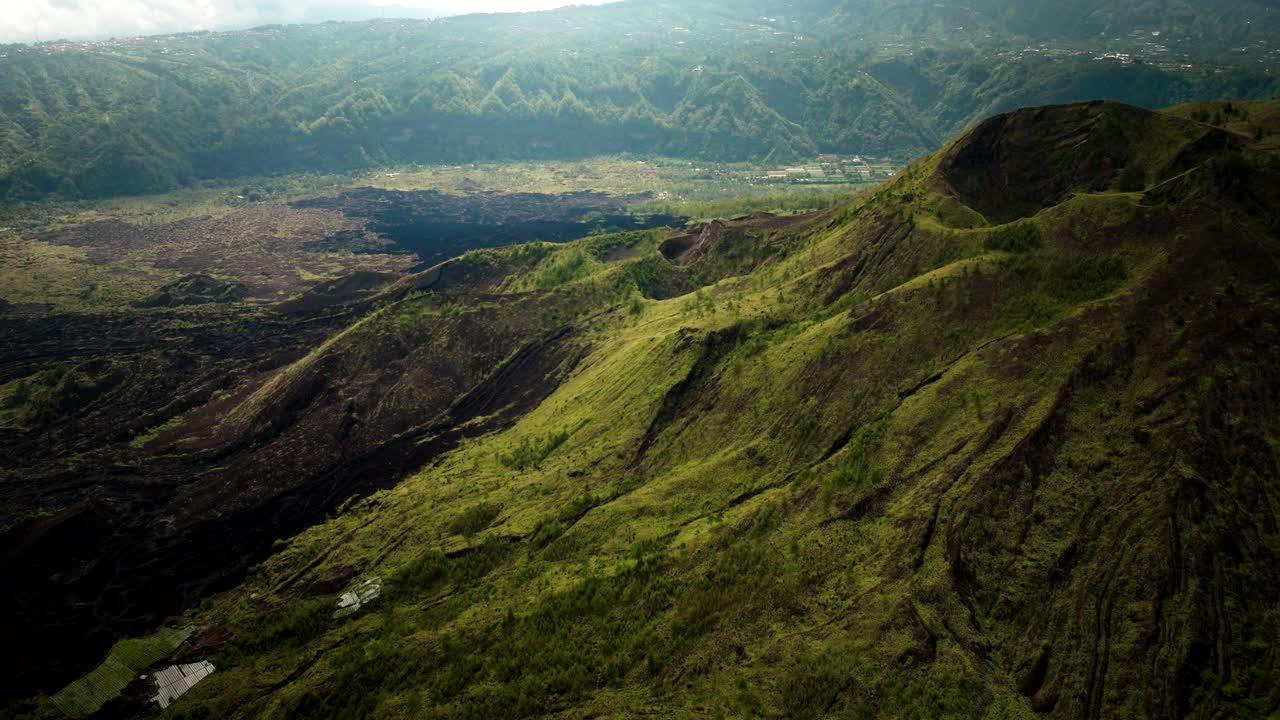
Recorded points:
32,20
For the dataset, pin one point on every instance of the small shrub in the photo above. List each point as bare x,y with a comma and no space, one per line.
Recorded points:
292,625
199,712
700,304
1234,174
975,399
433,570
580,506
533,450
530,254
1017,238
474,519
1088,278
1133,178
953,213
563,272
423,573
857,469
810,685
546,532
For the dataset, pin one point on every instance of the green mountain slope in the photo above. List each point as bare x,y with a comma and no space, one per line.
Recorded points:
998,440
708,79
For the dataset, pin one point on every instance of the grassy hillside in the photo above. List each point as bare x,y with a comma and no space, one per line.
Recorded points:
998,440
706,80
1258,121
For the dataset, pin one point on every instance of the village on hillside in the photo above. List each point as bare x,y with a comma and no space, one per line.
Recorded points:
831,169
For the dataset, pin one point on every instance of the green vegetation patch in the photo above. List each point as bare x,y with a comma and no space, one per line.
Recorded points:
141,441
955,214
1037,288
638,623
532,450
38,399
475,518
1087,278
857,470
572,266
1017,237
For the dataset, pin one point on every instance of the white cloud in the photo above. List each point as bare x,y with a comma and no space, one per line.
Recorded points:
33,20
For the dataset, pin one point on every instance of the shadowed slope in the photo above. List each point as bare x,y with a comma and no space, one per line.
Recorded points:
1017,164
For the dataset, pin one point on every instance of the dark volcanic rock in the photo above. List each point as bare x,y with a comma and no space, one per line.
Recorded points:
344,290
196,290
436,226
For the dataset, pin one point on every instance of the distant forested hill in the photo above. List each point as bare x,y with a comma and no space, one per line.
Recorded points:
1211,27
733,81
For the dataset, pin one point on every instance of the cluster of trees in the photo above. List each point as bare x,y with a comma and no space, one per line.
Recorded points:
702,79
